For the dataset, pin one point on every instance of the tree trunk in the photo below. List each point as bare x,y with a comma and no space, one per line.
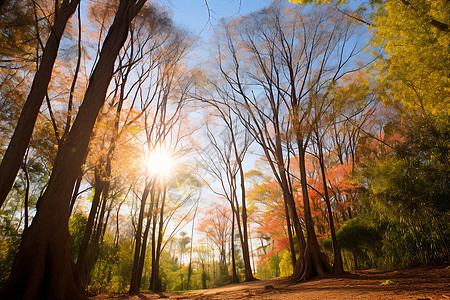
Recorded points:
290,203
27,194
147,230
43,268
223,268
291,238
338,266
159,244
155,282
81,260
75,191
134,285
143,249
97,237
316,262
155,266
18,145
234,276
288,198
243,234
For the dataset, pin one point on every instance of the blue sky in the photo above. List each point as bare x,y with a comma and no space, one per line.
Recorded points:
194,13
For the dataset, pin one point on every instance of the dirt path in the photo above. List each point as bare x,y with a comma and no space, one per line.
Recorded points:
423,283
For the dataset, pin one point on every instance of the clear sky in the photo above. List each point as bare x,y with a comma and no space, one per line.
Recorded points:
194,13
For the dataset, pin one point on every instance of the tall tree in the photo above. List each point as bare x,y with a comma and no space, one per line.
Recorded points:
291,62
137,59
43,267
268,126
19,142
225,163
140,242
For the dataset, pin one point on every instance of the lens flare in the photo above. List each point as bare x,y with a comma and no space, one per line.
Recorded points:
160,163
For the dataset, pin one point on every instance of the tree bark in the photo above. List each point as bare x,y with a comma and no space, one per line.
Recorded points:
290,203
143,249
75,191
244,234
43,268
316,262
18,145
135,284
338,266
291,238
155,282
147,229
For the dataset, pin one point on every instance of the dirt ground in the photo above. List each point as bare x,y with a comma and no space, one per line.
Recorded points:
423,283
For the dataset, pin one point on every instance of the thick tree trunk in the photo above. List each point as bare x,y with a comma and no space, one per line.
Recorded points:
299,266
315,260
43,268
288,198
290,203
18,145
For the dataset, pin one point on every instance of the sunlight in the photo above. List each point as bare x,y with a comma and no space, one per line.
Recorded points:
160,163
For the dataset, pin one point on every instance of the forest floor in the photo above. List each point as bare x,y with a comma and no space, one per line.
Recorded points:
422,283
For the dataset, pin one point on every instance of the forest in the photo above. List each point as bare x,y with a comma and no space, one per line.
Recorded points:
305,139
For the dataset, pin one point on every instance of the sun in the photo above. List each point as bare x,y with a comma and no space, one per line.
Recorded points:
160,163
